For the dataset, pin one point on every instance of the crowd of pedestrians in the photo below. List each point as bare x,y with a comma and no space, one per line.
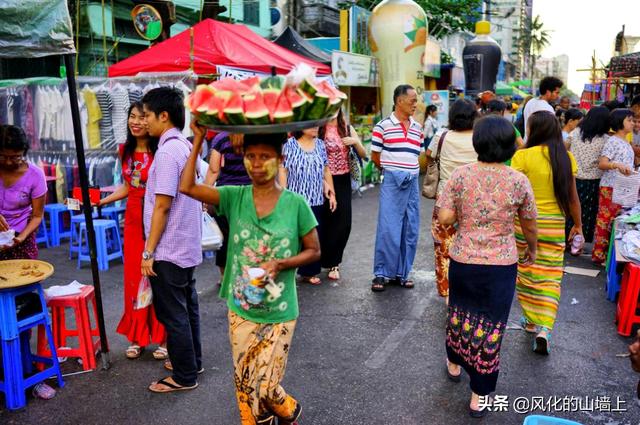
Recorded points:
508,201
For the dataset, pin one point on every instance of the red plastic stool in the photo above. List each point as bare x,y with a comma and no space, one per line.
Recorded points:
88,337
626,314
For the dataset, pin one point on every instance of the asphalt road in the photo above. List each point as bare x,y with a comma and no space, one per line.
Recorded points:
359,357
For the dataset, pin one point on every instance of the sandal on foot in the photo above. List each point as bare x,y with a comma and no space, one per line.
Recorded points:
133,351
542,344
334,273
527,326
161,353
169,387
407,283
293,419
377,285
454,378
169,367
312,280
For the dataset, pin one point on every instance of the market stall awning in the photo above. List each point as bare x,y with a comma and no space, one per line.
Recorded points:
625,65
35,28
503,89
214,44
290,39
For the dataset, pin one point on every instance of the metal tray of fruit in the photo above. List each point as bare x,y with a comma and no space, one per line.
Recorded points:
14,273
269,128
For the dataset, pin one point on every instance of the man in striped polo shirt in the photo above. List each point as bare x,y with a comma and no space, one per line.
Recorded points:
395,148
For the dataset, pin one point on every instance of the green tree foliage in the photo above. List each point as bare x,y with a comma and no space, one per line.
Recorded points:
445,16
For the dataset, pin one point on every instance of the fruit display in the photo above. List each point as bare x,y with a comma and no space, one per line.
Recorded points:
277,99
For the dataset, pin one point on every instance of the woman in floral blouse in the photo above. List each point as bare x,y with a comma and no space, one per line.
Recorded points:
484,198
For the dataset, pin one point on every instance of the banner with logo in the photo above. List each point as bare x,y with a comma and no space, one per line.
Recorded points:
439,98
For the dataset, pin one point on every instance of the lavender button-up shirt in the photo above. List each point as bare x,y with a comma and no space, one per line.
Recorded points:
180,243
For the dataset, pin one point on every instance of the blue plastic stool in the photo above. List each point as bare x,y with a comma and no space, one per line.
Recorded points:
547,420
16,354
113,213
42,235
613,278
108,243
57,230
76,220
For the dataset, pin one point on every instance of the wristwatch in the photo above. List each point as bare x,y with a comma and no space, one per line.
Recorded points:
146,255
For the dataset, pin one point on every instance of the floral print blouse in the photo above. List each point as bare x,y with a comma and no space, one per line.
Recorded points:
587,154
487,199
617,150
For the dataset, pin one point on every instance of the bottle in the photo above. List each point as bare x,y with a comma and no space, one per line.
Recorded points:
481,59
577,244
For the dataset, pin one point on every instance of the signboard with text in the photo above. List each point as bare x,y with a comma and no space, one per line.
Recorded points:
349,69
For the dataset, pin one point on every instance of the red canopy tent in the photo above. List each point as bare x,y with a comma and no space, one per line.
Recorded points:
214,43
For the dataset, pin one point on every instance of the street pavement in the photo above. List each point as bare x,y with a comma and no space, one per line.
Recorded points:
359,357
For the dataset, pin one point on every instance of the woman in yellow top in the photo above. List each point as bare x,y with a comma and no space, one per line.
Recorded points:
551,171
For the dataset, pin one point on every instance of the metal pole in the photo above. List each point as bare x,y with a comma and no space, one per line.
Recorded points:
86,201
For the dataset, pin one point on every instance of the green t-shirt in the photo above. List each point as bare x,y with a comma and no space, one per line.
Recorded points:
508,161
253,241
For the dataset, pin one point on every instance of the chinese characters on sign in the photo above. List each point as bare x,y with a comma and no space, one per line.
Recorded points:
552,404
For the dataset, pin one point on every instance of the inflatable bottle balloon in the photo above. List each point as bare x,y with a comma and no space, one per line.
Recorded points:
481,60
397,36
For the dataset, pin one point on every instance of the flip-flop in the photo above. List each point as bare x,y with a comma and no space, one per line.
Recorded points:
312,280
170,387
334,273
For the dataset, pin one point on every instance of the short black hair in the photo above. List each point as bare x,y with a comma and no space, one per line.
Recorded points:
496,105
431,108
401,90
618,116
573,114
494,139
275,140
13,138
462,114
635,101
169,100
549,84
613,104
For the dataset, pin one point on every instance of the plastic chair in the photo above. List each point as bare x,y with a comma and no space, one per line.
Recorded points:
17,358
113,213
108,243
88,337
42,235
613,277
57,229
547,420
76,220
626,315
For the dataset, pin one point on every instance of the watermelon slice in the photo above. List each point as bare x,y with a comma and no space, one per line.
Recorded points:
310,87
270,97
200,96
318,109
255,111
283,112
336,97
233,111
250,84
298,102
227,84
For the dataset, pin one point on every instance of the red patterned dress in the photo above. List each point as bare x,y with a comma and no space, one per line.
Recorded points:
139,326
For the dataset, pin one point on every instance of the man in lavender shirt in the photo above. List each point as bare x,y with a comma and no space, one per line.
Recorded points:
172,223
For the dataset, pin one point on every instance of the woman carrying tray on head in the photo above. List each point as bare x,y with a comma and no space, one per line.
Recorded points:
272,231
141,327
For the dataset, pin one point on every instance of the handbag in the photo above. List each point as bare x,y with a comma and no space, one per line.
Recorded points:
432,177
354,166
211,234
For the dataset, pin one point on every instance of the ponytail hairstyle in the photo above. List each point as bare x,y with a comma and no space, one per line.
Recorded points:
544,130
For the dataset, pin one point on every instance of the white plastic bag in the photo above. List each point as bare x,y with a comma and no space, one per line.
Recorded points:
211,234
145,295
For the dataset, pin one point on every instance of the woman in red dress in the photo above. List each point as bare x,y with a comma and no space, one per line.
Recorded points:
141,327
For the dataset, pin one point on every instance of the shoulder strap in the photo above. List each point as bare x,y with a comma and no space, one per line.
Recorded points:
442,136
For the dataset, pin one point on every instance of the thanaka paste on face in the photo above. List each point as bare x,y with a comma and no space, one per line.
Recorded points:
269,167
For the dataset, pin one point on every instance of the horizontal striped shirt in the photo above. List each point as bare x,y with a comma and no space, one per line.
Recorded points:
400,147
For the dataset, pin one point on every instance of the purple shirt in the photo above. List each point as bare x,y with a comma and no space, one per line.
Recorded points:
15,201
180,242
